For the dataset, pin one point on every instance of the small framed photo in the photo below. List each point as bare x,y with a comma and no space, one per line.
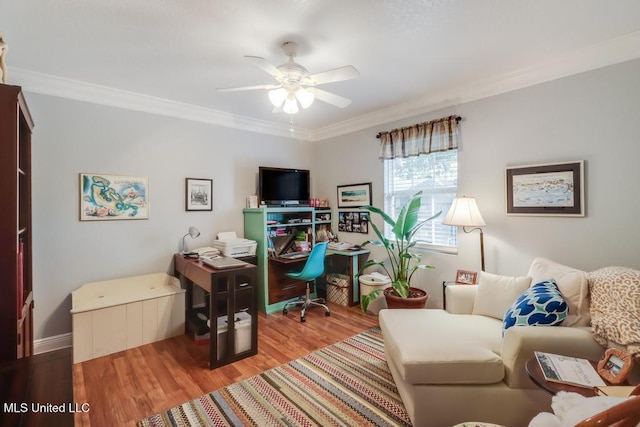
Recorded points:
353,222
465,277
198,194
615,366
354,195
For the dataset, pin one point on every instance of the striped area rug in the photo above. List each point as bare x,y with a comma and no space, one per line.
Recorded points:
345,384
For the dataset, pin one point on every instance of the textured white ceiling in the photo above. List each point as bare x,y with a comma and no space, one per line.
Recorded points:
410,54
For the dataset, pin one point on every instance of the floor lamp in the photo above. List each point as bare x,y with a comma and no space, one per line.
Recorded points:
464,213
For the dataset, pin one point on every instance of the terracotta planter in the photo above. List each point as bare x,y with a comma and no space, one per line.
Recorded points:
417,298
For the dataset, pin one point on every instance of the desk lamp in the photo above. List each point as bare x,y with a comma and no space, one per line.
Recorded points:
464,212
193,232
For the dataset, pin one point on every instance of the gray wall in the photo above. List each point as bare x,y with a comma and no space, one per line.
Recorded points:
72,137
592,116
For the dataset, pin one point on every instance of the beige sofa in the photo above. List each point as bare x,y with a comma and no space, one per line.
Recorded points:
454,366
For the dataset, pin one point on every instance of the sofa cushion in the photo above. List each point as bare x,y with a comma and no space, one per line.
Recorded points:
541,304
436,347
615,308
496,294
573,287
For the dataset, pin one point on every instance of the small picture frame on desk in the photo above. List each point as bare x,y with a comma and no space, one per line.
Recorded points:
615,366
466,277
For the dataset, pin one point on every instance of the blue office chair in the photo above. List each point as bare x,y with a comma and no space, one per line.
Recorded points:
313,269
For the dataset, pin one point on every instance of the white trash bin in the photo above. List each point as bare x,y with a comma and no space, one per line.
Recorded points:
370,282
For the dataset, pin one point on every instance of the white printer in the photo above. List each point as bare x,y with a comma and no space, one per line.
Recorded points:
231,245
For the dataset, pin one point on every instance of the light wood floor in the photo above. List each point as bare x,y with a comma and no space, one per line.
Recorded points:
125,387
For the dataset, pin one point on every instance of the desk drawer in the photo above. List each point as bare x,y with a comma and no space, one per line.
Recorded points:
286,291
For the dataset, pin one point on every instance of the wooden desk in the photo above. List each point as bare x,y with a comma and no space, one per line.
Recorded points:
354,259
283,288
229,291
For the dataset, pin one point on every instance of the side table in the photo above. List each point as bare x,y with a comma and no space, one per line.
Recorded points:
534,371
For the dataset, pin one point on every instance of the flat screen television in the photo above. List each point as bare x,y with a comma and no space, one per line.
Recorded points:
284,187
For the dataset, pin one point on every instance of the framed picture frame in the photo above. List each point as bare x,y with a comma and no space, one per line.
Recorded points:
466,277
353,222
108,197
552,189
198,194
354,195
615,366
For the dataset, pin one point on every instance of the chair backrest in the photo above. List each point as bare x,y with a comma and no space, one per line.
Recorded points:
625,414
314,266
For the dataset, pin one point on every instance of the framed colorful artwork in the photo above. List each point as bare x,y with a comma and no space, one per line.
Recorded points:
105,197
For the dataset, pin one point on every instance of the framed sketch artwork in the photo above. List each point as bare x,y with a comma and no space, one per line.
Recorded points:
555,189
198,194
105,197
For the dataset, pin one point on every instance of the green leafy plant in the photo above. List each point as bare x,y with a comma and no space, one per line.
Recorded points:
401,263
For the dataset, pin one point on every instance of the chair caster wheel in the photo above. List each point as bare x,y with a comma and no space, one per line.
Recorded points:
285,311
327,313
303,319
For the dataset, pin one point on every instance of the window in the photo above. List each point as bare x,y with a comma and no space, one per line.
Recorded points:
436,175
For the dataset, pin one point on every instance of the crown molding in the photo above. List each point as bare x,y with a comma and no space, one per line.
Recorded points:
609,52
46,84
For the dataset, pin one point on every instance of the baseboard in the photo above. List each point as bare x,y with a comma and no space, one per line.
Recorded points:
56,342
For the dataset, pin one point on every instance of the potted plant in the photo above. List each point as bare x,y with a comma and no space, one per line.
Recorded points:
401,263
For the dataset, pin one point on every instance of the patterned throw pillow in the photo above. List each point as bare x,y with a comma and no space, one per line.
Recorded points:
541,304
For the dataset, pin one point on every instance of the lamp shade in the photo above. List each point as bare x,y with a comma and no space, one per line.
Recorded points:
277,96
290,105
464,212
305,97
193,232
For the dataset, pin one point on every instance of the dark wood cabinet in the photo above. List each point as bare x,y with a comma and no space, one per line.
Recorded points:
16,304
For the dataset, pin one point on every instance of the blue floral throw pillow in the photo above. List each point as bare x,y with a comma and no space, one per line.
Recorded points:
541,304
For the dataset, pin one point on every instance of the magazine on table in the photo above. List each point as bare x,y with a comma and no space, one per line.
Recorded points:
568,370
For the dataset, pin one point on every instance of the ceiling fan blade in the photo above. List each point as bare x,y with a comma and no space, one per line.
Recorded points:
266,66
336,75
237,89
330,98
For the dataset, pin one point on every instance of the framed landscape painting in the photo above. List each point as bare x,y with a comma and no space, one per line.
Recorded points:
354,196
554,189
105,197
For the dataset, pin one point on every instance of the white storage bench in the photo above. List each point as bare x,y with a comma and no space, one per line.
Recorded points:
117,315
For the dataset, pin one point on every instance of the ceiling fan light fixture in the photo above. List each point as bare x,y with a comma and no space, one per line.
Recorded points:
278,96
305,97
290,105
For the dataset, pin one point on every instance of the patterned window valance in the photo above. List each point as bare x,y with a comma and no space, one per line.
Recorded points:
421,138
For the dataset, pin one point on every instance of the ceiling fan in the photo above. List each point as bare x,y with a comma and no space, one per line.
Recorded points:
295,84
